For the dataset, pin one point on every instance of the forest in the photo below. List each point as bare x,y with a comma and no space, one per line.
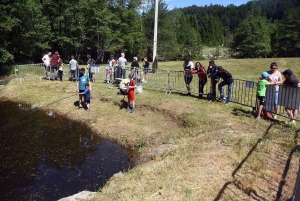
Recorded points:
31,28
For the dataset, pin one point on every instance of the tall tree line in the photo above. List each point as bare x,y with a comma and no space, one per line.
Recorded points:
259,28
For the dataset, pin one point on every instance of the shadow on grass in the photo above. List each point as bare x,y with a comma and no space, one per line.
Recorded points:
221,192
252,191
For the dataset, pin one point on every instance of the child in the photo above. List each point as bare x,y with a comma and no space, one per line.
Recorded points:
60,69
261,92
87,96
82,79
130,92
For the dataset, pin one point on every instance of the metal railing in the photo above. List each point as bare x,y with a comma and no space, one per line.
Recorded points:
243,91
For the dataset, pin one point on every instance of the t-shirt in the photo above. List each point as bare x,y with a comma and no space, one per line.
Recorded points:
124,83
73,64
46,59
122,62
82,79
131,83
291,82
146,64
226,76
189,66
87,94
54,59
261,87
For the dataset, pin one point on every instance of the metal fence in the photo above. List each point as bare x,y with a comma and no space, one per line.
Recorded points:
243,91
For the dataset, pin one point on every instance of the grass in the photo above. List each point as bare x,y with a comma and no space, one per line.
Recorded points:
222,152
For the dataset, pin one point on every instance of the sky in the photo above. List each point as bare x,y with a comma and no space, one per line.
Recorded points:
185,3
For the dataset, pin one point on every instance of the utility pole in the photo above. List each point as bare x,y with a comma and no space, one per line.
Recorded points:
154,65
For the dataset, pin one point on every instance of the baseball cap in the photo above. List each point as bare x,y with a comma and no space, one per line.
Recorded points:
135,58
288,72
265,75
82,69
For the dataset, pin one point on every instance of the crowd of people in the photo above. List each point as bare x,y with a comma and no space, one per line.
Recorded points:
116,68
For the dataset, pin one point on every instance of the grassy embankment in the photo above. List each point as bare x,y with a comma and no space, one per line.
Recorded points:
222,151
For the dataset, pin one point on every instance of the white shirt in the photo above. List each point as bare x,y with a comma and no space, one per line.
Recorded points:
46,59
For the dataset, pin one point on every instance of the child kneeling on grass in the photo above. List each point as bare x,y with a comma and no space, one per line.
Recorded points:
261,92
130,92
87,94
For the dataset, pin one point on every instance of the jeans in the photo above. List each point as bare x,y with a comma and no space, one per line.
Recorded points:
214,81
220,86
54,71
123,73
201,86
60,74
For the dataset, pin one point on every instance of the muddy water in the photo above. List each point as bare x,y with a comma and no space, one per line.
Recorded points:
44,156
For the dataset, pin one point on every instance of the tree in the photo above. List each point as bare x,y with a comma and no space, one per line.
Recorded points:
252,37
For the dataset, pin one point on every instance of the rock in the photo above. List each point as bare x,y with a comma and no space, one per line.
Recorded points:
119,174
162,150
83,195
34,106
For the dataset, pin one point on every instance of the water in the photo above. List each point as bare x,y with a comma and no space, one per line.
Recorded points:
44,156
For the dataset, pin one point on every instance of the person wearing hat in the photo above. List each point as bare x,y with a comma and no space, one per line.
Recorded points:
82,79
87,95
290,81
261,92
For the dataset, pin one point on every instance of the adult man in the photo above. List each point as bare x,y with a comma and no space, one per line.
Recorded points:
227,80
73,68
46,60
54,64
291,81
122,65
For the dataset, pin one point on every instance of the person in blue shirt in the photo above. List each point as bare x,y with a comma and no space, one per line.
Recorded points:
87,94
82,79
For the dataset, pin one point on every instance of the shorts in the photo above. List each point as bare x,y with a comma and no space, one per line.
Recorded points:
81,95
131,95
47,68
188,80
261,100
146,71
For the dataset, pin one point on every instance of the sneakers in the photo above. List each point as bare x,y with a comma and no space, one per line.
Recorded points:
189,94
221,99
227,102
274,116
257,118
87,110
132,110
128,108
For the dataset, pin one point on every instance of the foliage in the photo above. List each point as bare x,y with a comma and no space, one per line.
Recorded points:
31,28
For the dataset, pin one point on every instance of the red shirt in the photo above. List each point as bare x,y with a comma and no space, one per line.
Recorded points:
54,59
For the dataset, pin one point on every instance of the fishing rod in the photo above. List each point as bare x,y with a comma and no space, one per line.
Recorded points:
101,53
13,121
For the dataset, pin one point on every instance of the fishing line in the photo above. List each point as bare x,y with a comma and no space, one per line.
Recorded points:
13,121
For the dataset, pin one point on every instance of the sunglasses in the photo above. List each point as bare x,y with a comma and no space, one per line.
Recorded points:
273,68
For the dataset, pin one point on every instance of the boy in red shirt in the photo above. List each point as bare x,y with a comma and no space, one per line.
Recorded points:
130,92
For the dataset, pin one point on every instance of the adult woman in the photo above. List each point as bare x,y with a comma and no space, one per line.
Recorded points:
276,79
188,67
200,70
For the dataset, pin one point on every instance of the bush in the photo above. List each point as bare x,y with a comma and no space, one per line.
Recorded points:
6,70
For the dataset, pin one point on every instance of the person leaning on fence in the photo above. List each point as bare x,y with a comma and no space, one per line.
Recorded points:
87,94
46,60
227,80
73,65
200,70
212,74
82,79
130,94
146,69
275,78
261,92
188,67
54,65
291,81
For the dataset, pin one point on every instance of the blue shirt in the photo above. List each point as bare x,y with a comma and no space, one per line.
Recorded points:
87,94
82,79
